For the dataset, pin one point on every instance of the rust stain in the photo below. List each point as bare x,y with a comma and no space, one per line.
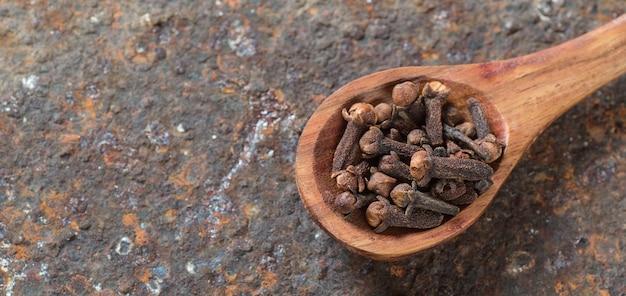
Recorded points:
599,245
130,219
559,288
232,3
269,280
268,131
229,91
179,179
222,219
187,176
20,252
430,55
141,236
397,270
112,158
78,285
140,59
88,105
279,95
250,211
572,286
70,138
143,274
162,149
238,127
53,205
171,215
74,225
231,277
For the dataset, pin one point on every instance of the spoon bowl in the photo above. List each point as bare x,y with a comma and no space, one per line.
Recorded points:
521,97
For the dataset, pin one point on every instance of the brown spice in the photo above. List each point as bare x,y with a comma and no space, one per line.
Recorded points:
393,166
448,189
359,117
419,167
479,118
353,177
482,185
493,147
404,94
381,183
425,166
457,135
374,143
383,112
382,214
467,128
451,114
346,202
395,135
451,172
399,120
417,137
467,198
400,194
435,94
409,197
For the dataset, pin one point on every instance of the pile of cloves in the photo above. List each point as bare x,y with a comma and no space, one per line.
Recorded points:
413,161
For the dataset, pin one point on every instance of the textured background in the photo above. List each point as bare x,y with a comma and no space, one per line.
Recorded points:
149,148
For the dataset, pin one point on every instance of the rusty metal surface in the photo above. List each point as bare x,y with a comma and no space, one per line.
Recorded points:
148,148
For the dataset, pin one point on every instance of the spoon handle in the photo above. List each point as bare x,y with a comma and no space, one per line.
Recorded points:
549,82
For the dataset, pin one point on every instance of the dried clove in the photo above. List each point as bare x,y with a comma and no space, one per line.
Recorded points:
447,156
410,197
419,168
382,214
451,114
381,183
456,134
399,120
479,118
452,147
404,94
346,202
393,166
353,177
456,152
467,198
423,200
435,94
440,152
465,169
467,128
482,185
448,189
374,143
430,166
359,117
395,135
417,137
493,147
383,112
399,195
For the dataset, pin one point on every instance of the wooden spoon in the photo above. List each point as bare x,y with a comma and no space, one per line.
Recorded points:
522,96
